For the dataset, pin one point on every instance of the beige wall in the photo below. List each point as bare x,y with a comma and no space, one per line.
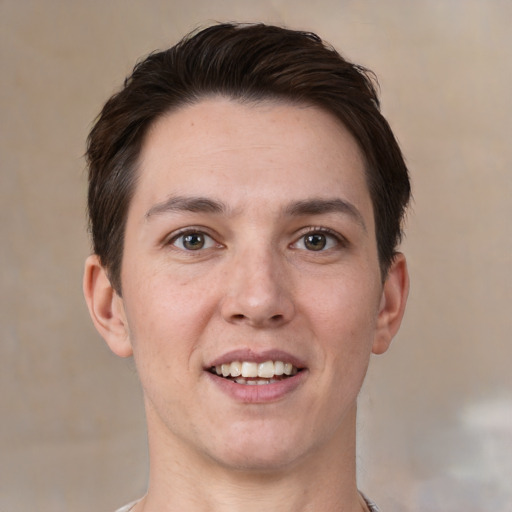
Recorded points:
436,412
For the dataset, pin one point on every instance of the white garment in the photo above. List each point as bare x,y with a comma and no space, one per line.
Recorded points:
128,507
370,503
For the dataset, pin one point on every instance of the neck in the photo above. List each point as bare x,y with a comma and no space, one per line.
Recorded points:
323,479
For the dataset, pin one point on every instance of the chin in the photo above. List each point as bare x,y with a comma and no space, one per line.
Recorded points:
260,453
257,463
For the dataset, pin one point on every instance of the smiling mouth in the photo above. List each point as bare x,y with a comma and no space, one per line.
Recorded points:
250,373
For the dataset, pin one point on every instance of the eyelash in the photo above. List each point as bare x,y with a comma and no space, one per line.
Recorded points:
171,241
341,241
313,230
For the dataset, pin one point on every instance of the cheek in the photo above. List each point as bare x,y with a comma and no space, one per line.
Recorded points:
344,318
166,315
346,303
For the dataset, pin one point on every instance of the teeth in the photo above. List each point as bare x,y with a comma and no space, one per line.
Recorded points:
259,382
278,368
250,370
241,380
266,369
236,368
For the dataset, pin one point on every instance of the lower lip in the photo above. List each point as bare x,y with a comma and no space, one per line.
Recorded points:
258,394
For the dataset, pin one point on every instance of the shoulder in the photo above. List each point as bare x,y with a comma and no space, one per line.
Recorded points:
371,505
127,507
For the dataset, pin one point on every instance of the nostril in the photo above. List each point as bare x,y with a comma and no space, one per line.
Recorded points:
274,319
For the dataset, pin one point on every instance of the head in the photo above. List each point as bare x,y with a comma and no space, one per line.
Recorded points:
246,198
246,63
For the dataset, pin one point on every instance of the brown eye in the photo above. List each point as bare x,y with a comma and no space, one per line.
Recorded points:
193,241
319,240
315,242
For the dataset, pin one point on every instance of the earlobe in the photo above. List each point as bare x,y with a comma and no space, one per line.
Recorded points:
392,306
106,307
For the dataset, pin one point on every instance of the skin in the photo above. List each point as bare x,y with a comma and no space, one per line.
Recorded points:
255,286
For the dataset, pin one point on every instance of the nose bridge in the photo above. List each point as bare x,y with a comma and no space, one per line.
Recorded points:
258,291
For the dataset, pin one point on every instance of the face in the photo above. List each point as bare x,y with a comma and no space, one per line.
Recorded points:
252,296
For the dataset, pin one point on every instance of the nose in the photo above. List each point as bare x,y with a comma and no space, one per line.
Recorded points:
258,291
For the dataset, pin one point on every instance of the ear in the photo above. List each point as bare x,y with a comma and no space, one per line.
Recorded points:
106,307
392,304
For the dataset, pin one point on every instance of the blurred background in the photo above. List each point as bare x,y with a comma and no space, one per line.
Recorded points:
435,428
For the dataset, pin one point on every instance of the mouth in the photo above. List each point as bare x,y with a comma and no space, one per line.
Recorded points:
255,374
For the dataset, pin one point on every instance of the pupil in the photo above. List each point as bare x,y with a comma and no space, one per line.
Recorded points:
193,241
315,242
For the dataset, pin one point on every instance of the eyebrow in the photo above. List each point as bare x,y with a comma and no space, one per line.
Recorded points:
315,206
322,206
187,204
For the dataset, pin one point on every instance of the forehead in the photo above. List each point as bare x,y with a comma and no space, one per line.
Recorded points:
250,151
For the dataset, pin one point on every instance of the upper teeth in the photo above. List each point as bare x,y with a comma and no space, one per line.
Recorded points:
247,369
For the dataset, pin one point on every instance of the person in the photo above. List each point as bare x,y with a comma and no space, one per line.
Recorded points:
246,202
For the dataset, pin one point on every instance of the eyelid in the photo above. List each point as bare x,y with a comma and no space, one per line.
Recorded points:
340,239
170,239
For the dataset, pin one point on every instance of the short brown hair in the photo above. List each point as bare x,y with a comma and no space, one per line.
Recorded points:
247,63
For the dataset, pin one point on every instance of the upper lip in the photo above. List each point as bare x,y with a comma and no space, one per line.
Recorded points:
256,357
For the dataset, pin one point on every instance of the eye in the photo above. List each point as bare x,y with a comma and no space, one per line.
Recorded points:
193,241
317,240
